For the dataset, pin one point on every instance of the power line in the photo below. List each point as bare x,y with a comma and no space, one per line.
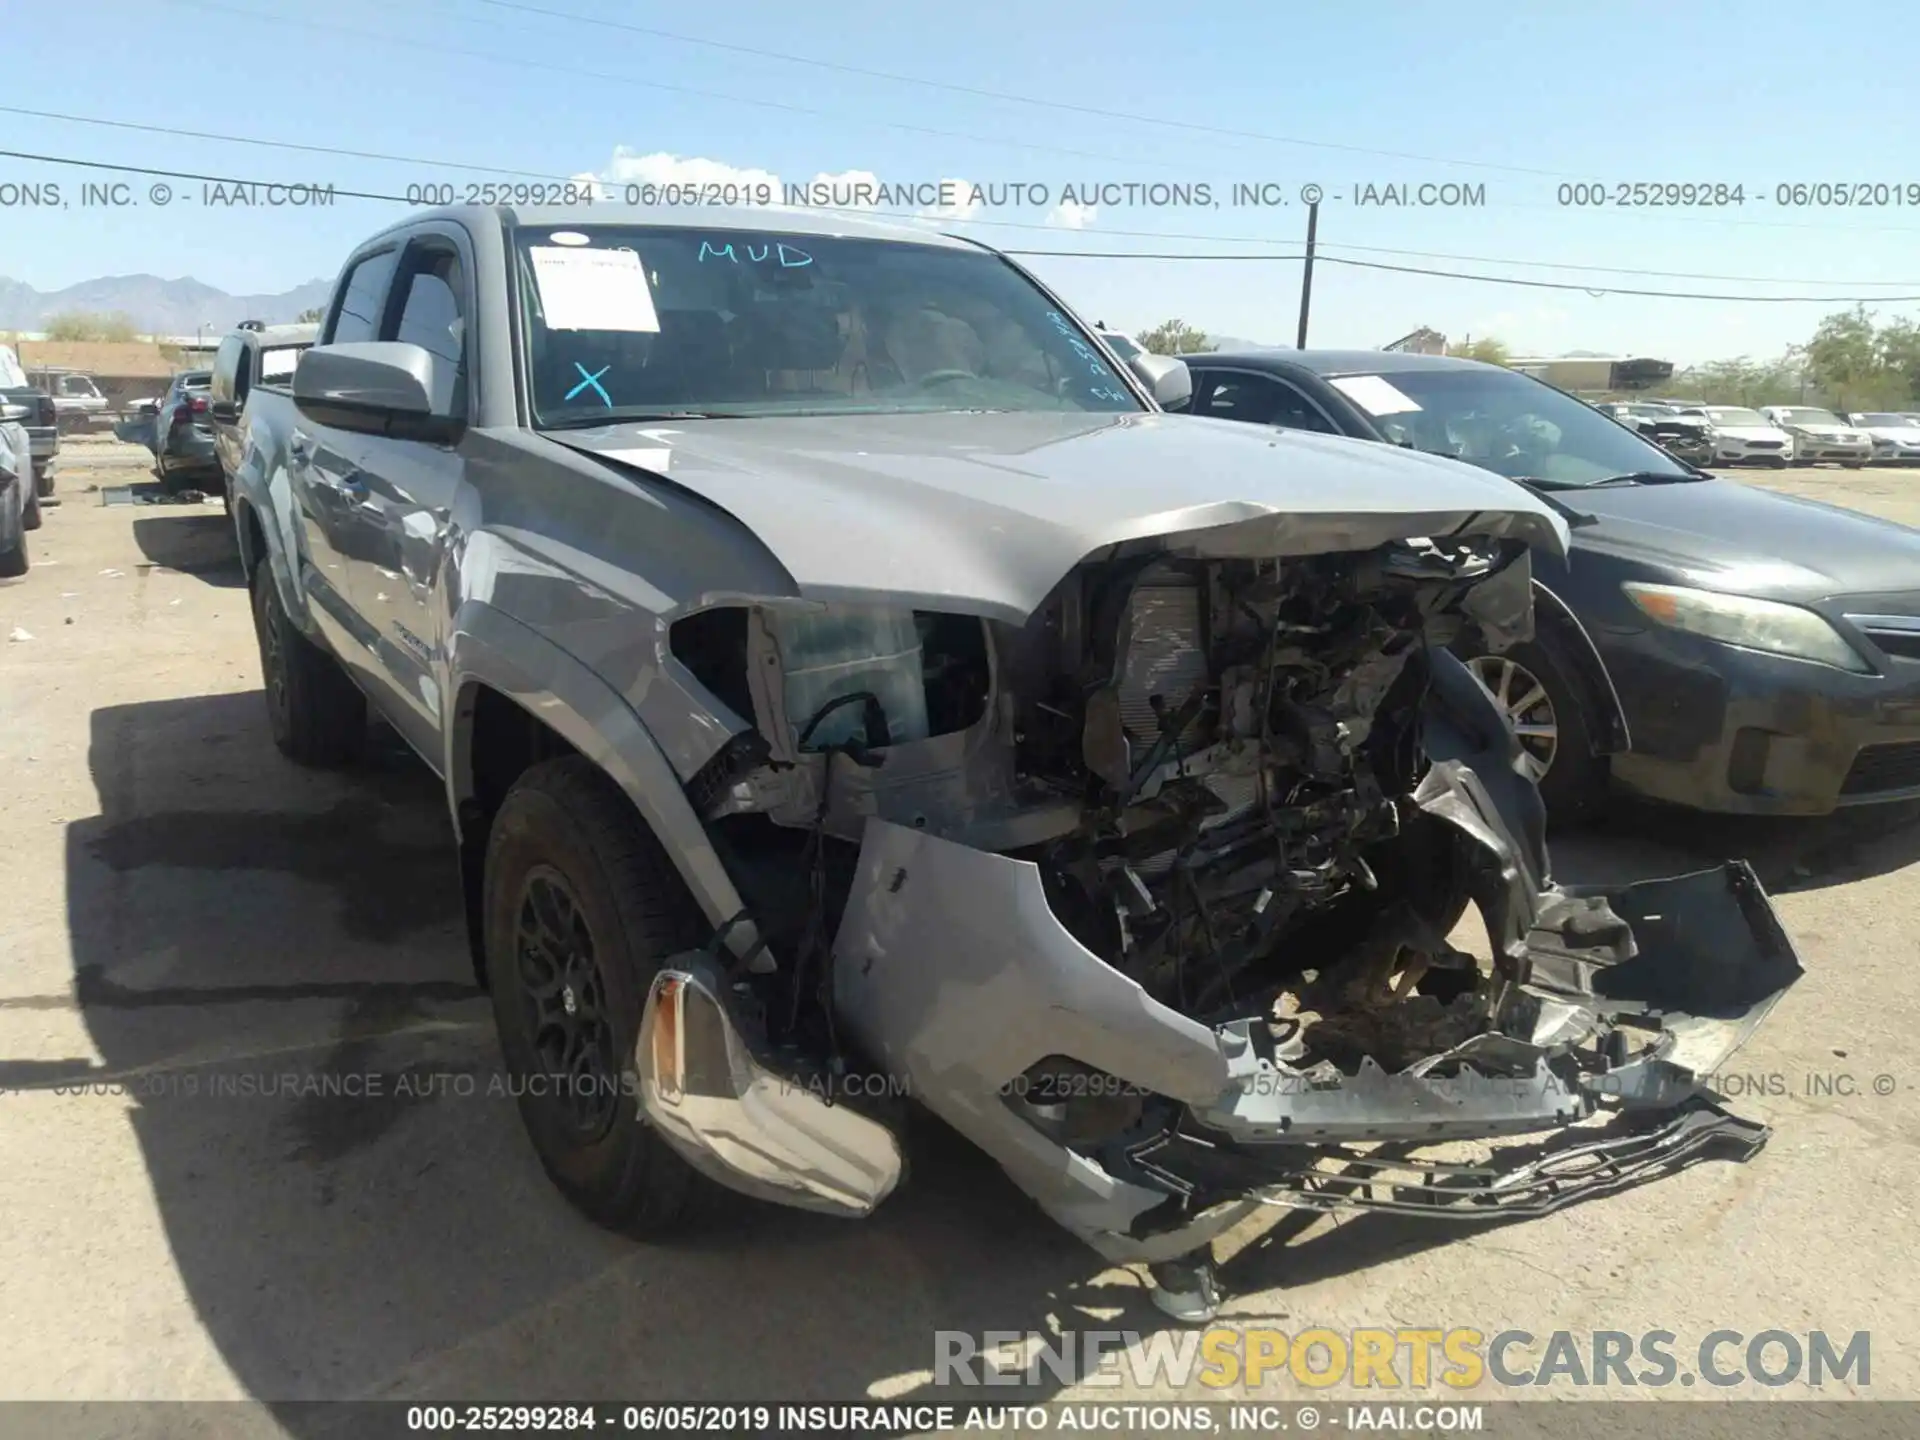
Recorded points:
578,72
256,141
178,133
200,6
1595,290
1158,121
921,81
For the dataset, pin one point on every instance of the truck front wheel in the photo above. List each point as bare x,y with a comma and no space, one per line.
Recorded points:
580,906
319,718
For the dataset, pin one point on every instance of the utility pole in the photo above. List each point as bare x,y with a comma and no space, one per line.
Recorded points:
1306,275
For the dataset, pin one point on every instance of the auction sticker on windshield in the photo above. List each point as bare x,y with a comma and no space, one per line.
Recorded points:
583,289
1373,394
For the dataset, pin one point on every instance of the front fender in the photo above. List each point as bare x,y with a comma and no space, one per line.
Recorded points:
489,649
1556,617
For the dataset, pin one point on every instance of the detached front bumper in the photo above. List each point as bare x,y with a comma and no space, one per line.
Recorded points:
1598,1033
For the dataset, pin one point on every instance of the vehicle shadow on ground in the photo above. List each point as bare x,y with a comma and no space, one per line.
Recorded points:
199,543
276,957
1634,839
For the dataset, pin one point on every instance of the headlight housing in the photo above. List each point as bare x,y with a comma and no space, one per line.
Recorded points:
1769,626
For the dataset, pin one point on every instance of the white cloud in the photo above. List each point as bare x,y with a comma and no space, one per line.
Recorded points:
964,205
661,168
1072,215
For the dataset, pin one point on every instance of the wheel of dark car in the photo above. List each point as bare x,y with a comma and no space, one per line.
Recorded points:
1533,687
14,562
580,906
319,718
43,482
30,513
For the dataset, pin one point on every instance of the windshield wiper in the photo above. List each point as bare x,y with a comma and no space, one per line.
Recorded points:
1644,477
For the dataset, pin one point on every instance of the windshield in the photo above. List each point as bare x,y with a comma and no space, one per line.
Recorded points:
1735,415
1886,417
1808,415
628,322
1504,422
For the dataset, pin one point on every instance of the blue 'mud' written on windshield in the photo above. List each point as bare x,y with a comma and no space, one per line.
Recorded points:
787,255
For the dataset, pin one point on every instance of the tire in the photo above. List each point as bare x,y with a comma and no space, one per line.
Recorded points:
1779,462
1853,464
43,482
567,840
319,717
30,513
1572,779
15,562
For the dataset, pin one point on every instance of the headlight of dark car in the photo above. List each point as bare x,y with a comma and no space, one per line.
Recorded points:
1765,625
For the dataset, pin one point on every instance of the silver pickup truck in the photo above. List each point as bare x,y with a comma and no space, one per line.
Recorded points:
857,696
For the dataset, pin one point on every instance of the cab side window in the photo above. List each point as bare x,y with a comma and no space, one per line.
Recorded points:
431,313
228,361
1261,400
356,314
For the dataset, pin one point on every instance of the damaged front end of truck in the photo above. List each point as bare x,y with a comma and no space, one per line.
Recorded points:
1154,896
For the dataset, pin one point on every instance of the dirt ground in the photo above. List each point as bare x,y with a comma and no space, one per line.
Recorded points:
199,929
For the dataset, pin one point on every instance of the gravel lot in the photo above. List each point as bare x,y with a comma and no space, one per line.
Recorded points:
186,912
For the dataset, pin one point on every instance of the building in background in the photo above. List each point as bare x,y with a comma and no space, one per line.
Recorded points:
1595,374
1423,341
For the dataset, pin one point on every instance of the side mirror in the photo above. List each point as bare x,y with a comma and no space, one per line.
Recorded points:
382,387
1168,378
224,410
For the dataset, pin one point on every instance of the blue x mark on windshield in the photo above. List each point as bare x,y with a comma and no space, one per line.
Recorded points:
594,381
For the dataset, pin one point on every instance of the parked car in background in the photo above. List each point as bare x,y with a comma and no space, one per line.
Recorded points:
847,682
77,400
19,503
41,422
1821,435
1685,437
252,355
179,432
1896,437
1765,650
1744,436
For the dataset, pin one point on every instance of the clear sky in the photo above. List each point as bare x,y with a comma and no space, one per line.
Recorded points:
1513,98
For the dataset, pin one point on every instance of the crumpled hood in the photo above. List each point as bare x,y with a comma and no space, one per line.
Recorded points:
1724,535
984,513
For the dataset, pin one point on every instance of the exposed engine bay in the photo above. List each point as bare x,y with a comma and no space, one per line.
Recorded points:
1198,755
1150,897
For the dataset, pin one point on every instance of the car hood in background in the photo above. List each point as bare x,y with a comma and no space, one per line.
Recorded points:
1724,535
984,513
1751,432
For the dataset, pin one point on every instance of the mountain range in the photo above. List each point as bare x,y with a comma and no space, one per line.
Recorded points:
156,306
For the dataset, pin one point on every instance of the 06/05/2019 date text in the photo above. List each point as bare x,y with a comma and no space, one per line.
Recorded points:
1720,194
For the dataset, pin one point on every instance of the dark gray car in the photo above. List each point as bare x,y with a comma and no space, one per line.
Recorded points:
182,431
848,682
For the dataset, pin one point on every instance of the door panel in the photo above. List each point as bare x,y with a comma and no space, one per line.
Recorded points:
404,502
